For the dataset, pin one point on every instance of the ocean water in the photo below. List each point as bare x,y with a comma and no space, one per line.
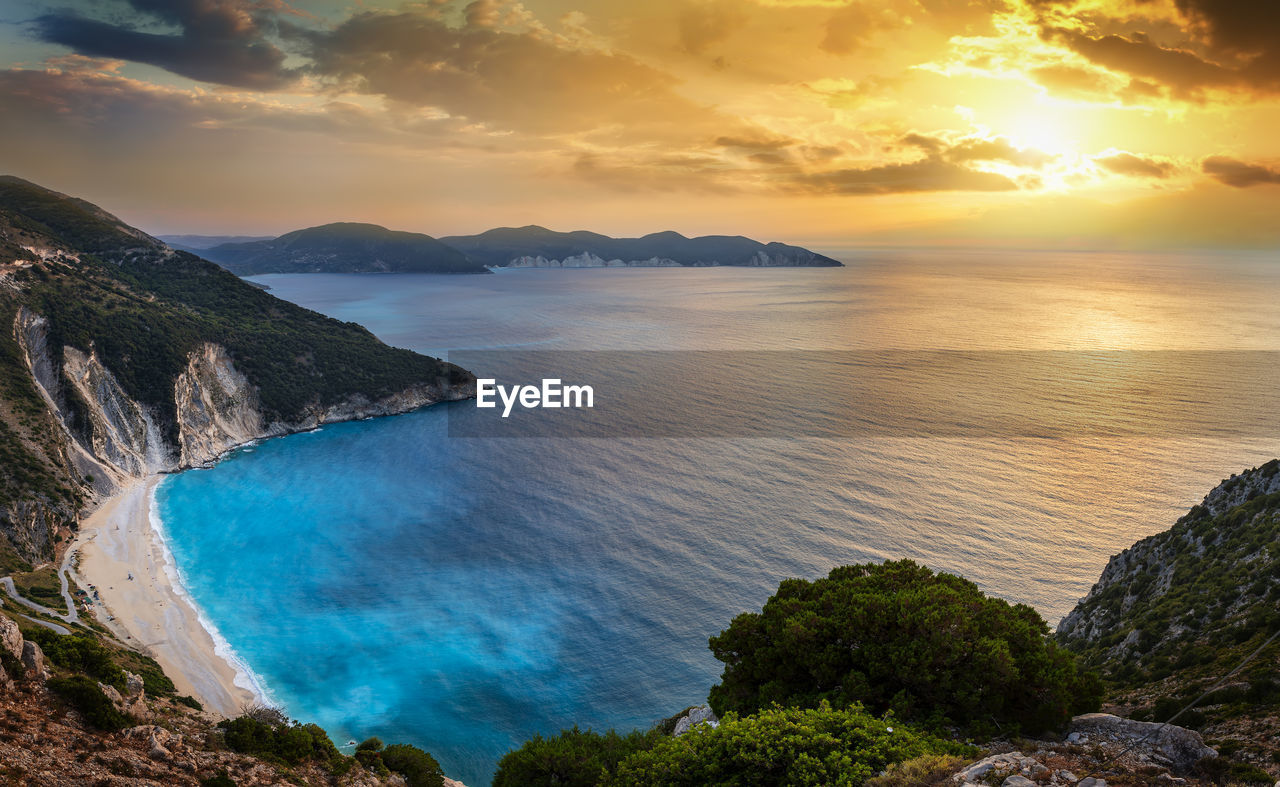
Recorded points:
392,578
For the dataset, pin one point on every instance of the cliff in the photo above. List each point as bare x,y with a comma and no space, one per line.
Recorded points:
120,357
1176,611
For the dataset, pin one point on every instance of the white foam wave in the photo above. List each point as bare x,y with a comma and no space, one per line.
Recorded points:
245,677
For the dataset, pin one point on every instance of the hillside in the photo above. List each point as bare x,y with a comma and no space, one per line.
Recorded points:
343,248
1176,611
120,357
539,247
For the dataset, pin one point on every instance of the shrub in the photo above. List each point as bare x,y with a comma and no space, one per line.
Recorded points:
290,743
418,768
189,701
221,780
82,653
572,759
930,647
918,772
83,694
793,746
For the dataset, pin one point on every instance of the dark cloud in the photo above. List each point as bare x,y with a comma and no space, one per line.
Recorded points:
219,41
1228,44
1239,174
928,174
528,81
755,142
1136,166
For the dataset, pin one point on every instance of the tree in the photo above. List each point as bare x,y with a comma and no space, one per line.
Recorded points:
896,636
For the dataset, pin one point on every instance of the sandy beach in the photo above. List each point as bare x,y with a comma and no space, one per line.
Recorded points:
117,541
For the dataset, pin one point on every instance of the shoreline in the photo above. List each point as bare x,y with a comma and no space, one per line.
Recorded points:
153,611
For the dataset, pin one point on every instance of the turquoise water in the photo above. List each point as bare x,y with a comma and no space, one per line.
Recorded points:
383,578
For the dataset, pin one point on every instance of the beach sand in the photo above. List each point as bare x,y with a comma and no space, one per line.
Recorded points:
149,613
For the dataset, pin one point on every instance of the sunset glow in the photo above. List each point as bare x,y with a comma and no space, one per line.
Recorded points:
1083,123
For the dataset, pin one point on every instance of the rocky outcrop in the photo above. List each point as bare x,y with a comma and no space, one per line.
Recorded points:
122,434
1176,747
694,717
217,407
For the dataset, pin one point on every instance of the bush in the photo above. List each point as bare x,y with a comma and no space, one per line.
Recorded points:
418,768
791,746
82,653
83,694
930,647
290,743
572,759
221,780
919,771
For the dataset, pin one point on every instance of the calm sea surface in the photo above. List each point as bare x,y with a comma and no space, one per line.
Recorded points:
385,578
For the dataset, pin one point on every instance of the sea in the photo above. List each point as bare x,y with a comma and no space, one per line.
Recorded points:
448,579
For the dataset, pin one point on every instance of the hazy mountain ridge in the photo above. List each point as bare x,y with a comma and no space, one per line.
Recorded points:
121,357
369,248
343,248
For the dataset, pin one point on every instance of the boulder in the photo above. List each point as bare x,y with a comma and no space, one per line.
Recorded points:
699,715
33,661
1178,747
10,637
132,684
1017,781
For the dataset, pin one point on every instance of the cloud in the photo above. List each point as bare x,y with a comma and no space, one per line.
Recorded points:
967,149
1239,174
706,24
927,174
525,80
220,41
1220,44
1135,166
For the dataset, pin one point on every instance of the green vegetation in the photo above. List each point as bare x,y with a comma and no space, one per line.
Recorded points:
79,653
792,746
278,740
573,758
896,637
221,780
418,768
83,694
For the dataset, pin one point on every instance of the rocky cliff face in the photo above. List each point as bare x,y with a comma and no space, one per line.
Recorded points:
1176,612
216,407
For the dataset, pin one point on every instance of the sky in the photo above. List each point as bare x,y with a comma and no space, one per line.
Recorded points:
1029,123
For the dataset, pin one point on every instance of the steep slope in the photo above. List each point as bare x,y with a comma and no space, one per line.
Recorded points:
1180,609
120,357
540,247
343,248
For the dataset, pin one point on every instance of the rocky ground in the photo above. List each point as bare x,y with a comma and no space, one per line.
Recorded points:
42,742
1102,750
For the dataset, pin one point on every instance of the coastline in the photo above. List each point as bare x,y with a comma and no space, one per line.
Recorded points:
153,611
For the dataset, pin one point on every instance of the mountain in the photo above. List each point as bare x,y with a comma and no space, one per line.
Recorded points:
121,357
198,243
343,248
1176,611
540,247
